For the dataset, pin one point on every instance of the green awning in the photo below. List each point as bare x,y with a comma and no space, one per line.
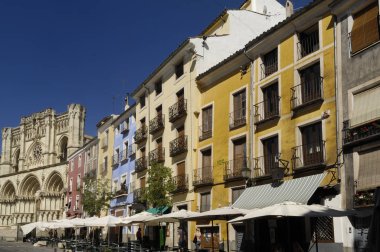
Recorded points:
158,210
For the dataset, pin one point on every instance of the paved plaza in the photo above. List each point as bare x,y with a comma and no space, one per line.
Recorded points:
22,247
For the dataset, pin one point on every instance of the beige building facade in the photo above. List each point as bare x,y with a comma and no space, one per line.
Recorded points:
33,166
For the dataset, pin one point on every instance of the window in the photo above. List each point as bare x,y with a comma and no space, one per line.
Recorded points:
270,148
236,192
105,164
366,107
158,87
77,202
312,144
271,101
206,172
270,64
239,155
115,186
142,101
205,202
71,185
78,182
308,41
206,128
69,204
311,84
179,69
238,116
365,30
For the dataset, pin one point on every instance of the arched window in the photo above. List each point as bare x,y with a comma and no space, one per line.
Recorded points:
63,149
16,158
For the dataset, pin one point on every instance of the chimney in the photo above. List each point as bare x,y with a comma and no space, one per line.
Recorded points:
126,103
289,8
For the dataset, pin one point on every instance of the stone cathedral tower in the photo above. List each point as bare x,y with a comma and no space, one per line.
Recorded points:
33,166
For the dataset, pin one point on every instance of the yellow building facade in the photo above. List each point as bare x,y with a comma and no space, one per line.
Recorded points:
106,150
294,116
222,147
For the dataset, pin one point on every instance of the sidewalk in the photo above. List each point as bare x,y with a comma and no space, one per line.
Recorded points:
23,246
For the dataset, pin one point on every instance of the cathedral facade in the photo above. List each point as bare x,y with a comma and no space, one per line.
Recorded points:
33,166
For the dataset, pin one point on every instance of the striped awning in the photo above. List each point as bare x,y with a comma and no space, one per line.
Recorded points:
297,190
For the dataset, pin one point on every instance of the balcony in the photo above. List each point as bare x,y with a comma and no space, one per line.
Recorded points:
267,110
308,44
124,127
181,183
307,93
309,155
203,176
238,118
178,110
123,190
178,146
156,124
157,155
141,164
268,68
205,132
115,159
265,165
364,133
140,134
234,167
138,195
124,155
131,150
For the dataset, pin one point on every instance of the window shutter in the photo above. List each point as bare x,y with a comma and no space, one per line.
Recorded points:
365,30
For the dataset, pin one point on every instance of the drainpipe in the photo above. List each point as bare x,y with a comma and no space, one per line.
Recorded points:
251,94
337,99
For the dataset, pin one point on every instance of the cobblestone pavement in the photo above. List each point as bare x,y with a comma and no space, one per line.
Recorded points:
23,247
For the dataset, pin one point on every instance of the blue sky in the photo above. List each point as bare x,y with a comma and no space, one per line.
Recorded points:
92,52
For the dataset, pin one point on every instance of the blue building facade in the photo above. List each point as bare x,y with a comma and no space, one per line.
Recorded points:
123,162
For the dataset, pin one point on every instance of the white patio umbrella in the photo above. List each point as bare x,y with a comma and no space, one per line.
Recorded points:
137,218
223,213
58,224
27,228
106,221
171,217
293,209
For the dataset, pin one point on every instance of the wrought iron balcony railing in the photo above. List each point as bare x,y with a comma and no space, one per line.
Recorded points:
203,176
141,164
309,155
122,190
238,118
178,146
181,183
264,165
267,110
131,150
205,132
233,169
157,155
138,195
177,110
360,134
269,67
308,44
140,134
156,124
115,159
310,91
